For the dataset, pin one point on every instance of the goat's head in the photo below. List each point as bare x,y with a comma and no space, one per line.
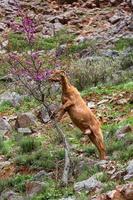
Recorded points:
56,75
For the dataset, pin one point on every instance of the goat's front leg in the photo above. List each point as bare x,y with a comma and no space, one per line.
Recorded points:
63,109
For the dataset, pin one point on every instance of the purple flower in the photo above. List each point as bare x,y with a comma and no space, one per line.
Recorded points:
28,28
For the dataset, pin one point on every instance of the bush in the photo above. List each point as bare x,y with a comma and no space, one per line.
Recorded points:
89,73
28,144
100,70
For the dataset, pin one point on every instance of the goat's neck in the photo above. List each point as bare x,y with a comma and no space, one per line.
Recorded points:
65,84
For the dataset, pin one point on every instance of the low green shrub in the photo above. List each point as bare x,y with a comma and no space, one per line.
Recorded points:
28,144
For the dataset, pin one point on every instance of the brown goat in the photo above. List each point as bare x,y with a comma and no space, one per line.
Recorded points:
80,114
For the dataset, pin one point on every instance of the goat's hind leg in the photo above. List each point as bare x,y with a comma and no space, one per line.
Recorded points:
98,142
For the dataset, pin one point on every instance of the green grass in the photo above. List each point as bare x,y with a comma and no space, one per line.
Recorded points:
18,182
17,42
123,43
42,158
6,106
6,146
108,90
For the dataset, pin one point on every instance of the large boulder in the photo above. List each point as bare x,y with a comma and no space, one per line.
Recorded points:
25,120
90,184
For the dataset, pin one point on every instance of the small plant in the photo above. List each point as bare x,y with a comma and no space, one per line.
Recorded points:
28,144
103,177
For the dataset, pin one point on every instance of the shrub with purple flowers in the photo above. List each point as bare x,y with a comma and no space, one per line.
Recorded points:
30,71
29,68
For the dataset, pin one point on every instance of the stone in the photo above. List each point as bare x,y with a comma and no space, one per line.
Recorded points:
90,184
61,50
25,131
2,27
114,19
34,187
40,176
58,26
130,167
43,114
68,198
4,126
110,53
91,104
120,133
10,195
122,101
25,120
14,98
4,164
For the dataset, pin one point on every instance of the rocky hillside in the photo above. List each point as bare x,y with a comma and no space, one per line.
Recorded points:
94,45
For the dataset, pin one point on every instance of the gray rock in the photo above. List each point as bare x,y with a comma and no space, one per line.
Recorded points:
10,195
110,53
4,164
25,120
90,184
2,27
43,114
4,126
57,25
91,104
14,98
114,19
130,167
40,176
60,50
26,131
129,171
68,198
34,187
